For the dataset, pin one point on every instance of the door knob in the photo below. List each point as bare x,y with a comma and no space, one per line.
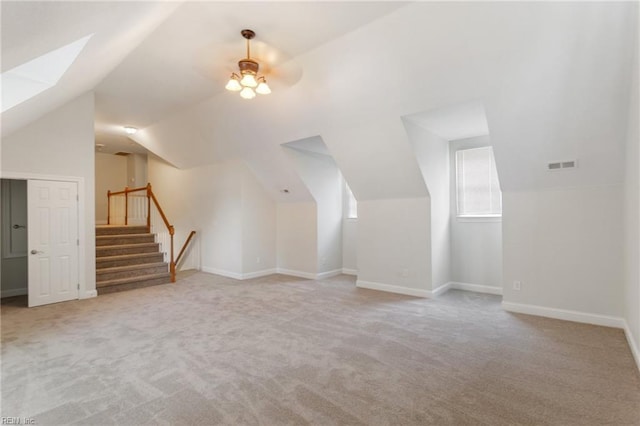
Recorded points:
16,226
36,252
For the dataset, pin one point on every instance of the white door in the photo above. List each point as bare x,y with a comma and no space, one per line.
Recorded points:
53,241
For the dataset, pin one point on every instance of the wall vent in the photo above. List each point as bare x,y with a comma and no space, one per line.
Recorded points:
124,154
562,165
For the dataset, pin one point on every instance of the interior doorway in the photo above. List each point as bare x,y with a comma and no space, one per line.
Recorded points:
40,240
14,238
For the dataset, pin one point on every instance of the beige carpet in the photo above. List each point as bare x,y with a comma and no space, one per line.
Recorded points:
278,350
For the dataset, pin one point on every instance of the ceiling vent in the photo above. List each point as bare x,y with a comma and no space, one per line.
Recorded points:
562,165
124,154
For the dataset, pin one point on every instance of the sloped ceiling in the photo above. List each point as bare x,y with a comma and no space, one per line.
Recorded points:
191,55
313,145
31,29
554,79
454,122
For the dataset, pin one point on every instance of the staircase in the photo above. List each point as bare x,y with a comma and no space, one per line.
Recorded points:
127,257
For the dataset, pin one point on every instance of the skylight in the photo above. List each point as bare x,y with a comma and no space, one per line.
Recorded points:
31,78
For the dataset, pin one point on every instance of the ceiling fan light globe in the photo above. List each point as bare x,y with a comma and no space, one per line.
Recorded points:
233,85
247,93
248,80
263,88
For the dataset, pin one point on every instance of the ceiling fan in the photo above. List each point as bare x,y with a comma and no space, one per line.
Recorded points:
262,62
248,83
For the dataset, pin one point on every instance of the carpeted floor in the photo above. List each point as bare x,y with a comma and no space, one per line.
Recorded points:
279,350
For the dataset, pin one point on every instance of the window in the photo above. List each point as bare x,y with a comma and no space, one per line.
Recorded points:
477,185
352,204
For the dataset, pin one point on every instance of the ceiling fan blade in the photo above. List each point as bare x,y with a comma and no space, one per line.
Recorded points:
284,75
216,62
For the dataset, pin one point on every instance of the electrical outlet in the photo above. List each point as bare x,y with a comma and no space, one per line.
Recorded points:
323,261
258,260
517,285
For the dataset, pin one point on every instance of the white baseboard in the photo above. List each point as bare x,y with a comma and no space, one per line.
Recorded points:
477,288
299,274
237,276
348,271
265,272
328,274
442,289
228,274
564,314
23,292
633,345
89,294
390,288
14,292
258,274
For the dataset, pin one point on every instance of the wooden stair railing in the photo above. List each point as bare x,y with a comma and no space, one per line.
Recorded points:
184,246
151,197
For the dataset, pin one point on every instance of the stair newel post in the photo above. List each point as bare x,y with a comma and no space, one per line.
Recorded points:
109,207
148,207
172,265
126,205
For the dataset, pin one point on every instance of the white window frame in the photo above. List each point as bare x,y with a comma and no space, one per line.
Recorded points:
351,204
474,217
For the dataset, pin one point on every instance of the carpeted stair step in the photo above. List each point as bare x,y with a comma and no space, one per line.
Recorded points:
119,239
128,259
131,283
126,249
118,272
120,229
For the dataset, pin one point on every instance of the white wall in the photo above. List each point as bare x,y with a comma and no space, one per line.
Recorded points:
259,218
330,222
476,252
111,175
632,214
376,158
233,217
350,245
220,202
349,237
564,245
61,143
394,245
432,154
393,230
136,170
322,177
297,229
476,245
168,184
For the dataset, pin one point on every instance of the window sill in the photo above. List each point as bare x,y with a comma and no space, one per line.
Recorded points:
479,219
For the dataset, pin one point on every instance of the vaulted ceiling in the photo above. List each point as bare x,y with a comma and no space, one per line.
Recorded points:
552,79
147,60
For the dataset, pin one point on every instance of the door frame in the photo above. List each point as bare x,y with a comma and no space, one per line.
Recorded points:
87,285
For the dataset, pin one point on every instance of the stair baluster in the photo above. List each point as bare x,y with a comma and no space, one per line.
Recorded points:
150,222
